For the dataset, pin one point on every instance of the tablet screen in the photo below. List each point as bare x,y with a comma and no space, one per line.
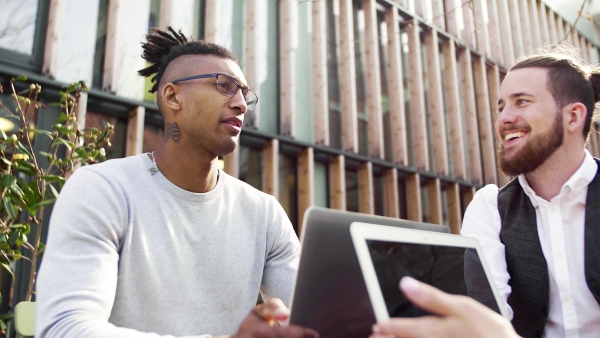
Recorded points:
455,270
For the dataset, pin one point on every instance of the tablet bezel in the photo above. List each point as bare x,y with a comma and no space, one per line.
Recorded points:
361,232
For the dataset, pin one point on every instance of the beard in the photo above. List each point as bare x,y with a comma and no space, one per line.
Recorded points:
535,152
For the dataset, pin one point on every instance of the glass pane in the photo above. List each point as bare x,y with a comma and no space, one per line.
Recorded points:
251,166
100,44
351,190
267,71
118,139
359,66
333,82
304,102
287,188
78,41
17,25
133,25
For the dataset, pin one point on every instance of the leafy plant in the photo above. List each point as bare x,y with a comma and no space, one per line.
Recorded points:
30,180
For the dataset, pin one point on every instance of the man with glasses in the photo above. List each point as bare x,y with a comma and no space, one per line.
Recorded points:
166,243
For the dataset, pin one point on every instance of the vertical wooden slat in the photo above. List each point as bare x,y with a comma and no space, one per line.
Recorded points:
451,87
396,89
373,81
337,183
390,190
306,179
211,20
464,58
319,69
413,198
135,131
347,73
508,52
451,18
287,59
53,32
583,45
434,200
81,109
468,25
493,75
486,136
481,29
418,118
494,32
526,32
467,196
588,51
166,9
111,63
437,10
251,58
561,27
552,29
436,102
515,27
270,168
454,209
232,162
535,24
544,25
365,188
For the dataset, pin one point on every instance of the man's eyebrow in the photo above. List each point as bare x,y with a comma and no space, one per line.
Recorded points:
514,95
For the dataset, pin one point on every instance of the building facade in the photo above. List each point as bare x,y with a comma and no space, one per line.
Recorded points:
376,106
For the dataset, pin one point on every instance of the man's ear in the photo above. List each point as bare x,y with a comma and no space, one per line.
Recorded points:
577,114
170,97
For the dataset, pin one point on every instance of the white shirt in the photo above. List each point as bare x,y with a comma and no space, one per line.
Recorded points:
573,310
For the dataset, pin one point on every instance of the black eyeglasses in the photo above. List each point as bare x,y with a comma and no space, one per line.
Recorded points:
227,86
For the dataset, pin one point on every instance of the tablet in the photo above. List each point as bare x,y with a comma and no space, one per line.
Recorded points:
451,263
329,293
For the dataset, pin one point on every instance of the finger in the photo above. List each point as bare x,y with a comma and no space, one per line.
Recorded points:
410,327
273,309
429,298
294,331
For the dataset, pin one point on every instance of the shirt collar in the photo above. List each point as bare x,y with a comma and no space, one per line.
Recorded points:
578,181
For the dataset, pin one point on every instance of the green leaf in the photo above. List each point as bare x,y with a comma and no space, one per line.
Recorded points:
9,208
64,142
13,238
19,78
44,202
53,189
8,269
61,118
25,167
42,132
8,315
51,178
3,326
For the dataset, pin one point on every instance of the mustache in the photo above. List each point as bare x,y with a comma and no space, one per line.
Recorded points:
510,128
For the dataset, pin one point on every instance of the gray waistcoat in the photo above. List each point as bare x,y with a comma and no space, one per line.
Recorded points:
525,260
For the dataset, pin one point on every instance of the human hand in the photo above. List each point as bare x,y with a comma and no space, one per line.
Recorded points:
458,316
260,323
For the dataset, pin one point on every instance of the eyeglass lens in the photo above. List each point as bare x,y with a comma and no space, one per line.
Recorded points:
228,87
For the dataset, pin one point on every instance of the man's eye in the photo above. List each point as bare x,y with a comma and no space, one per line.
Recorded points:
224,85
521,101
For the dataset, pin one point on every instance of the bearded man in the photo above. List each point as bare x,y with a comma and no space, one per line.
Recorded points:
541,232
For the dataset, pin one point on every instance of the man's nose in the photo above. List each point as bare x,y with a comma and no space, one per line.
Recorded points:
238,101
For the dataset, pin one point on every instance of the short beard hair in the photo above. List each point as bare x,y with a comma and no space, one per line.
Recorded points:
535,152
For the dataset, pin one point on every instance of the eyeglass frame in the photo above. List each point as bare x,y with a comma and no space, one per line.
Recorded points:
216,75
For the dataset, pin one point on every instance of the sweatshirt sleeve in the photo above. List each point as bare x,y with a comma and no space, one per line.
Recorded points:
283,254
77,280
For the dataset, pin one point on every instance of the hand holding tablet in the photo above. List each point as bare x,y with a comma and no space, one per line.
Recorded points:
457,316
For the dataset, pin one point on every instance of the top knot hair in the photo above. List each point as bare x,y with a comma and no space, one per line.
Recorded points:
570,78
162,47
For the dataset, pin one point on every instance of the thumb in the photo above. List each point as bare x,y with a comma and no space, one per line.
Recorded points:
428,298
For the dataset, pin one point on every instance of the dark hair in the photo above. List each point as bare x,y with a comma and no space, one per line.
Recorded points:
162,47
570,79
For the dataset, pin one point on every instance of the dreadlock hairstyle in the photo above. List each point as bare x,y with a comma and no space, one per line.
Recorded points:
570,78
162,47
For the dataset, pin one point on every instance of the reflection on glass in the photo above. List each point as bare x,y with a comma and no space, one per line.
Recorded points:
303,73
251,166
77,41
117,139
133,26
359,66
333,51
100,44
351,190
287,188
17,25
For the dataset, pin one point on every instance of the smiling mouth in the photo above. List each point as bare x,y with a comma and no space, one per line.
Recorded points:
234,123
512,136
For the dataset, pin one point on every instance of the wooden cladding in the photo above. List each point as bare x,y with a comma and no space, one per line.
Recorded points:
421,140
